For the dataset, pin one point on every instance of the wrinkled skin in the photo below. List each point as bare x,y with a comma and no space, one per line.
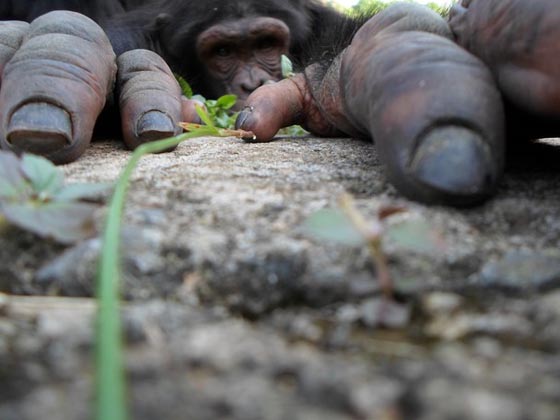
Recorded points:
50,98
244,54
519,41
221,46
434,109
60,71
437,111
398,82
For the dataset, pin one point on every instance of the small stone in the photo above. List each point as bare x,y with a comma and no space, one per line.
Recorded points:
441,303
384,312
348,313
521,271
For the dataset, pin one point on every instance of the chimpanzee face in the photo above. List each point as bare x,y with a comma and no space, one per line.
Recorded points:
244,54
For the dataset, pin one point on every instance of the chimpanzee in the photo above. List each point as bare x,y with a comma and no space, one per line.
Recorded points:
225,46
55,85
435,109
438,112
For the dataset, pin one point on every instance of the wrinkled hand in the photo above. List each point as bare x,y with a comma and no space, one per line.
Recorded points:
56,75
432,108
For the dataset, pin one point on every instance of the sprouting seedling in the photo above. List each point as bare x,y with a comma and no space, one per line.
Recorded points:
218,110
33,196
222,113
287,72
348,226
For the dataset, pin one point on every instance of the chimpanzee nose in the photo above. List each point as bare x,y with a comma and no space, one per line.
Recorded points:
253,83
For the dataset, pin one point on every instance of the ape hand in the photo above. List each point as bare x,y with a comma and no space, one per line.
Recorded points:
57,74
432,108
277,105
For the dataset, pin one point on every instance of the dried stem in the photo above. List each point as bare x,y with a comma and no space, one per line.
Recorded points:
372,232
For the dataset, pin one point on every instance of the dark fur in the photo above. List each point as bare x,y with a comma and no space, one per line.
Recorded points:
98,10
318,33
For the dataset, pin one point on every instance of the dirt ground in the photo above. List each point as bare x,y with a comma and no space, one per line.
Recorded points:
232,311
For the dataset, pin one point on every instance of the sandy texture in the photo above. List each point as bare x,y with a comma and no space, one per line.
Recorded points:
234,312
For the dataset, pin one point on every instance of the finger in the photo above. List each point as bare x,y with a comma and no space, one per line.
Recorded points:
273,106
11,36
188,110
527,70
269,108
149,98
282,104
55,86
434,113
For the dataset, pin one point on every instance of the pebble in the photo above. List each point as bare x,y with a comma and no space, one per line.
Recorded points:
520,271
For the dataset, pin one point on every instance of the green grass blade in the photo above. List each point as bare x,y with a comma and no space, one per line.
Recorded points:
185,87
110,403
204,116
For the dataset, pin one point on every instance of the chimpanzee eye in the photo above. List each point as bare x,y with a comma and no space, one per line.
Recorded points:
266,43
223,51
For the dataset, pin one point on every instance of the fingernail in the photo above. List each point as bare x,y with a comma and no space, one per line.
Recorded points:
39,128
455,162
154,125
243,116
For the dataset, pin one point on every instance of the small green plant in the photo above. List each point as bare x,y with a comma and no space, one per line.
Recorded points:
33,196
287,72
209,128
293,131
218,110
287,66
346,225
110,403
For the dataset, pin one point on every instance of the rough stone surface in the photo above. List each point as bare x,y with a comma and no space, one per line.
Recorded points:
232,311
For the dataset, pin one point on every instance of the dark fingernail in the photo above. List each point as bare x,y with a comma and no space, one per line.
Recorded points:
39,128
455,161
154,125
242,117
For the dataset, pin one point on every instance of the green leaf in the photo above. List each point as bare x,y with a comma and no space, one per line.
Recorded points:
44,176
185,87
204,116
287,66
78,191
12,182
333,225
226,101
65,222
293,131
222,120
415,235
199,98
204,131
